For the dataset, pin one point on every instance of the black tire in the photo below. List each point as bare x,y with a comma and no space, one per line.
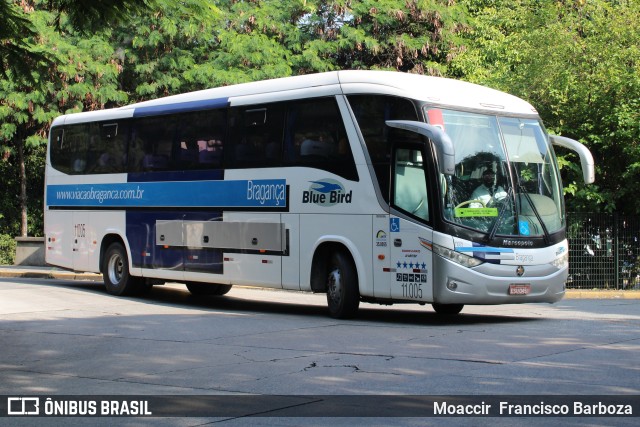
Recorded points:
115,272
197,288
223,290
343,296
447,309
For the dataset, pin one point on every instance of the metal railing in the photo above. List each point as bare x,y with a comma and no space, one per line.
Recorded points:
604,251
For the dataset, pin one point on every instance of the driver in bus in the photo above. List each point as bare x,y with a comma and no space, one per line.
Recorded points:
488,192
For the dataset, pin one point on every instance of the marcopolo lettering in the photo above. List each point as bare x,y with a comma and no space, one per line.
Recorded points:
327,192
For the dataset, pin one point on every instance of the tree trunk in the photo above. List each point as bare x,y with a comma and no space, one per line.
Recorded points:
23,188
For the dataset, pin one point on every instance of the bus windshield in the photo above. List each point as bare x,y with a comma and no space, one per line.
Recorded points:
506,180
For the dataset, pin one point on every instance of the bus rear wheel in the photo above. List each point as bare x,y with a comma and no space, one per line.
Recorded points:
115,272
197,288
447,309
343,296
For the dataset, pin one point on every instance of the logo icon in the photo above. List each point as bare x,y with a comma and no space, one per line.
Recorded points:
381,238
327,192
523,226
23,406
520,271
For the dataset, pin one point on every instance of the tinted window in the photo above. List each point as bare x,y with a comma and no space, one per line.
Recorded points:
371,112
256,136
90,148
301,133
316,137
200,140
106,152
61,152
151,146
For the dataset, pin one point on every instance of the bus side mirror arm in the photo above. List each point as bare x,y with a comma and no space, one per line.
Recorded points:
586,159
441,141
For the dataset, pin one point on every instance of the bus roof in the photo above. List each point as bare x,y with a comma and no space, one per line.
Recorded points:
435,90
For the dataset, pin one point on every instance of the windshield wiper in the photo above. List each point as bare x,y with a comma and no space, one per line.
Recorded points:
503,209
523,191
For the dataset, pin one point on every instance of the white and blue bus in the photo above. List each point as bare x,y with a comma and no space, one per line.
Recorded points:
363,185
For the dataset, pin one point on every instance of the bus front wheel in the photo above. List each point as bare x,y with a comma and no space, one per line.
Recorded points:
343,296
447,309
115,272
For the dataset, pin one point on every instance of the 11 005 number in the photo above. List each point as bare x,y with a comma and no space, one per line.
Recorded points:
80,230
412,290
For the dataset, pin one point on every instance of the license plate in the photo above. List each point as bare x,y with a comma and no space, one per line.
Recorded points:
519,289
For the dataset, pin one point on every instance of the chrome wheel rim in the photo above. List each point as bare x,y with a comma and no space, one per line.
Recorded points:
115,269
334,285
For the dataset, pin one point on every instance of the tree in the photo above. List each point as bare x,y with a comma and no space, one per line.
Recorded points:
17,33
193,44
77,73
577,62
418,36
162,52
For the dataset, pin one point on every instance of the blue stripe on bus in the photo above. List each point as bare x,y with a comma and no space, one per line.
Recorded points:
181,107
483,249
259,193
487,253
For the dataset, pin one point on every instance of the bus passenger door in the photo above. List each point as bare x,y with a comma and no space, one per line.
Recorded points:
410,235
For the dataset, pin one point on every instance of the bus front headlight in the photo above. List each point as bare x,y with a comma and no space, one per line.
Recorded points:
457,257
562,261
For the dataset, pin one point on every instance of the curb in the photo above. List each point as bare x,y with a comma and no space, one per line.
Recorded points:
26,273
601,294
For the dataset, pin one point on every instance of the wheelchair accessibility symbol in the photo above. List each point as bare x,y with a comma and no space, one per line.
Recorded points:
524,228
394,225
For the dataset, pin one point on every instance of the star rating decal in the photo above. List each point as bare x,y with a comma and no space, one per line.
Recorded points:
410,265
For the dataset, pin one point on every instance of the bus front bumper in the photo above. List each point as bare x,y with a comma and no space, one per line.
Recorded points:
496,284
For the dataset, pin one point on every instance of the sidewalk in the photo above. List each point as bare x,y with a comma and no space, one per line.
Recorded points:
15,271
28,272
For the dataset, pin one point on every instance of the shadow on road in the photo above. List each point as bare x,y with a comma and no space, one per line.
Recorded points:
396,314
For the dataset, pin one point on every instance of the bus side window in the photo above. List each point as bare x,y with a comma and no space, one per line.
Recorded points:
75,153
315,137
151,146
59,151
200,140
107,147
256,136
371,112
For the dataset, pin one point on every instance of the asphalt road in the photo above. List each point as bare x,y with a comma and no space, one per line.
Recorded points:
63,337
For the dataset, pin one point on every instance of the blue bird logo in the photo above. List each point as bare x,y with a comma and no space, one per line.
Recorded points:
326,187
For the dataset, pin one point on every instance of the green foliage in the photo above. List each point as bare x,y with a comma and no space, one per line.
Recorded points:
18,56
7,249
578,62
419,36
81,75
175,50
91,16
157,50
